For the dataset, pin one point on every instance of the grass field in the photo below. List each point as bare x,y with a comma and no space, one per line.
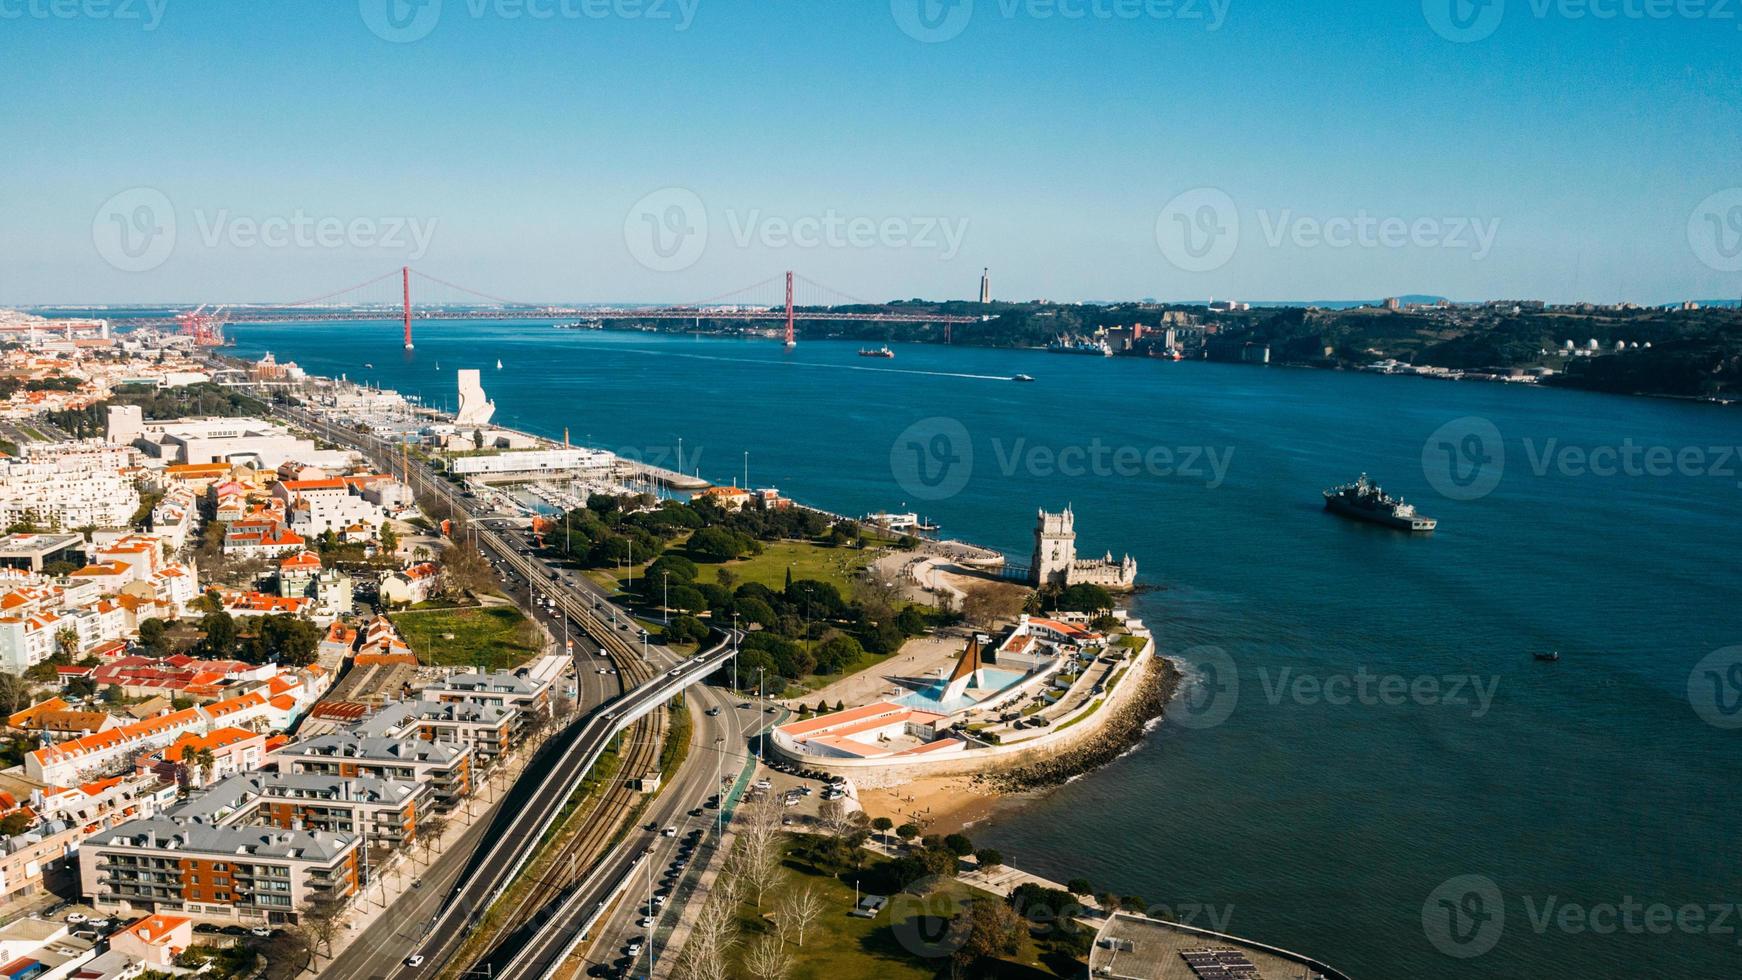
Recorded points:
839,946
896,945
836,566
495,638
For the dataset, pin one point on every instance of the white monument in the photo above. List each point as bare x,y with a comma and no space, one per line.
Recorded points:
475,408
1056,561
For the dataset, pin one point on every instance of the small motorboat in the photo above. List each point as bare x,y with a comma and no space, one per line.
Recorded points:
1549,656
1023,377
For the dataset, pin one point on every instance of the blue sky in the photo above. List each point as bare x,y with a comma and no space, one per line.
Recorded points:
1557,154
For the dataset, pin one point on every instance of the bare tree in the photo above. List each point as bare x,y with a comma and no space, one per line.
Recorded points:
760,839
768,959
429,835
714,934
319,920
832,814
985,605
798,910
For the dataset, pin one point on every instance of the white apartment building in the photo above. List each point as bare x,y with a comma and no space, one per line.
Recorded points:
531,461
254,441
316,506
66,492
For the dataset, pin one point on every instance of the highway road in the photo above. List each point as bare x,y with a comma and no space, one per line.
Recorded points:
508,839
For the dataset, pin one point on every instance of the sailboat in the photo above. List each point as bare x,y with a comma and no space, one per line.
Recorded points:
499,364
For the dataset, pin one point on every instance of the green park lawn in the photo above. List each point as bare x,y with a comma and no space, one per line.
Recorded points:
836,566
839,946
495,638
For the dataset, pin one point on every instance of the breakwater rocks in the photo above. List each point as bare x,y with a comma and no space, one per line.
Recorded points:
1117,734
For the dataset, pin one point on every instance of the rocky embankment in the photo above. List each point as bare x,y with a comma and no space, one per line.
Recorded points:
1118,733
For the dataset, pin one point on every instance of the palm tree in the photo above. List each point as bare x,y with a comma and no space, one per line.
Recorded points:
66,642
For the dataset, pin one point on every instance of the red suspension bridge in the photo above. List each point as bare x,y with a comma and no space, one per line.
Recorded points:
388,297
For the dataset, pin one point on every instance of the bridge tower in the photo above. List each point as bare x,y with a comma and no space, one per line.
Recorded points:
405,282
791,342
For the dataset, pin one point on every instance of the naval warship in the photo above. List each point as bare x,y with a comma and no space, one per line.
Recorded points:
1363,500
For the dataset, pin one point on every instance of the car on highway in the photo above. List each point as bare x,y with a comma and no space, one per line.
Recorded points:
414,961
713,712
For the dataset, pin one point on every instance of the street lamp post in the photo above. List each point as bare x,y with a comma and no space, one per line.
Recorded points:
761,706
719,779
666,603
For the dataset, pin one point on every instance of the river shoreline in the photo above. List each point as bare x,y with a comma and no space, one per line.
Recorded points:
954,803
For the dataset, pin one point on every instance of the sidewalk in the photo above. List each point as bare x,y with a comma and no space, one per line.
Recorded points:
396,875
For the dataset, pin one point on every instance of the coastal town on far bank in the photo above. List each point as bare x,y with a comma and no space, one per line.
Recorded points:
300,675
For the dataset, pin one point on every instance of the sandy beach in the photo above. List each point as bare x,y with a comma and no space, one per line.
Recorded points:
950,803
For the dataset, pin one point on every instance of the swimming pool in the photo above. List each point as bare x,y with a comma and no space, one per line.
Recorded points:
995,682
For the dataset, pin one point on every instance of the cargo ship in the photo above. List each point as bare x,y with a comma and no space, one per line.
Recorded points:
876,352
1363,500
